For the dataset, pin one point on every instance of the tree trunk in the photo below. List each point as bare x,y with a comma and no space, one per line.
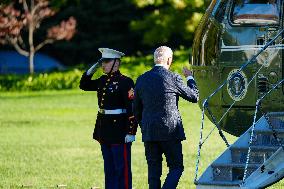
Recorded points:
31,62
32,48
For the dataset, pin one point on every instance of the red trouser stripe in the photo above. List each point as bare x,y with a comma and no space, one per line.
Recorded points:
125,167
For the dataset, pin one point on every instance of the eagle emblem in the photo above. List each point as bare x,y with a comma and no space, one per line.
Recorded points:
237,85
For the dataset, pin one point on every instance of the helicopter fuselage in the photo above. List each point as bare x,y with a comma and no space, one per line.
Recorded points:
230,33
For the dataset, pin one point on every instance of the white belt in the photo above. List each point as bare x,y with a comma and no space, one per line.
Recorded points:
116,111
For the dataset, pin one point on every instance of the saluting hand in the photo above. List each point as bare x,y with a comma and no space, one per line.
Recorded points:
94,68
186,72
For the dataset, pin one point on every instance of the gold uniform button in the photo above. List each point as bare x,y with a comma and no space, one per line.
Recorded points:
114,120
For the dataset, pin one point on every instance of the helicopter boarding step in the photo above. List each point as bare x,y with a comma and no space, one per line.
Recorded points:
266,161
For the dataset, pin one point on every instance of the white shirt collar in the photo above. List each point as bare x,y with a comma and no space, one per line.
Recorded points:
159,65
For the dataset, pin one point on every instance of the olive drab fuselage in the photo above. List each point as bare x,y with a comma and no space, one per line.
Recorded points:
230,33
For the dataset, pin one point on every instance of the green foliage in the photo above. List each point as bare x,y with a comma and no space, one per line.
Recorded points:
100,24
130,26
168,21
56,80
131,66
5,2
57,4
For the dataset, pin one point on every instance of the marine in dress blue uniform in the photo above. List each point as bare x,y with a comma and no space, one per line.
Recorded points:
156,109
115,127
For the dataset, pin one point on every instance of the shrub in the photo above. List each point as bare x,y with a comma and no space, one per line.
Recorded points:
55,80
131,66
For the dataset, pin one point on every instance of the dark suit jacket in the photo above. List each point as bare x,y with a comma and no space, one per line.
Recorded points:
156,104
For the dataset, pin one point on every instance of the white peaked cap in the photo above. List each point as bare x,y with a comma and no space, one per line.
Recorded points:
110,53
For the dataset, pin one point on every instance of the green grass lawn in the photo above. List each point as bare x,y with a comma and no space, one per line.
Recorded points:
46,140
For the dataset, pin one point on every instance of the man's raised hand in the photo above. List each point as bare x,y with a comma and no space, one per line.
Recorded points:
186,72
94,68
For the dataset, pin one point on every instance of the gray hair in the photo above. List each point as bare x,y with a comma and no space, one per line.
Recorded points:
162,54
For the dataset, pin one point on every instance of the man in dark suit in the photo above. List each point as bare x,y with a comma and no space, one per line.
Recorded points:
115,126
156,110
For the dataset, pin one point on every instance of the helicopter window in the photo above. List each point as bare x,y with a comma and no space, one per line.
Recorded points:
255,12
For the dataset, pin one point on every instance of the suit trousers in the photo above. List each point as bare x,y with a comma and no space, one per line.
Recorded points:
117,165
173,152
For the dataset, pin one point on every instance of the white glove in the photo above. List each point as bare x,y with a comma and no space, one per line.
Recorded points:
94,68
129,138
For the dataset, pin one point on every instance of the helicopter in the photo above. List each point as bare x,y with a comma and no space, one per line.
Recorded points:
231,34
237,61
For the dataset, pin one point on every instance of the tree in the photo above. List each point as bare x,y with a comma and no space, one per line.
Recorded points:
168,21
27,18
101,23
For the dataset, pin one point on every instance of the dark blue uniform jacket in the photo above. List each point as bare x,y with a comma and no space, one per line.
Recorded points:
114,91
